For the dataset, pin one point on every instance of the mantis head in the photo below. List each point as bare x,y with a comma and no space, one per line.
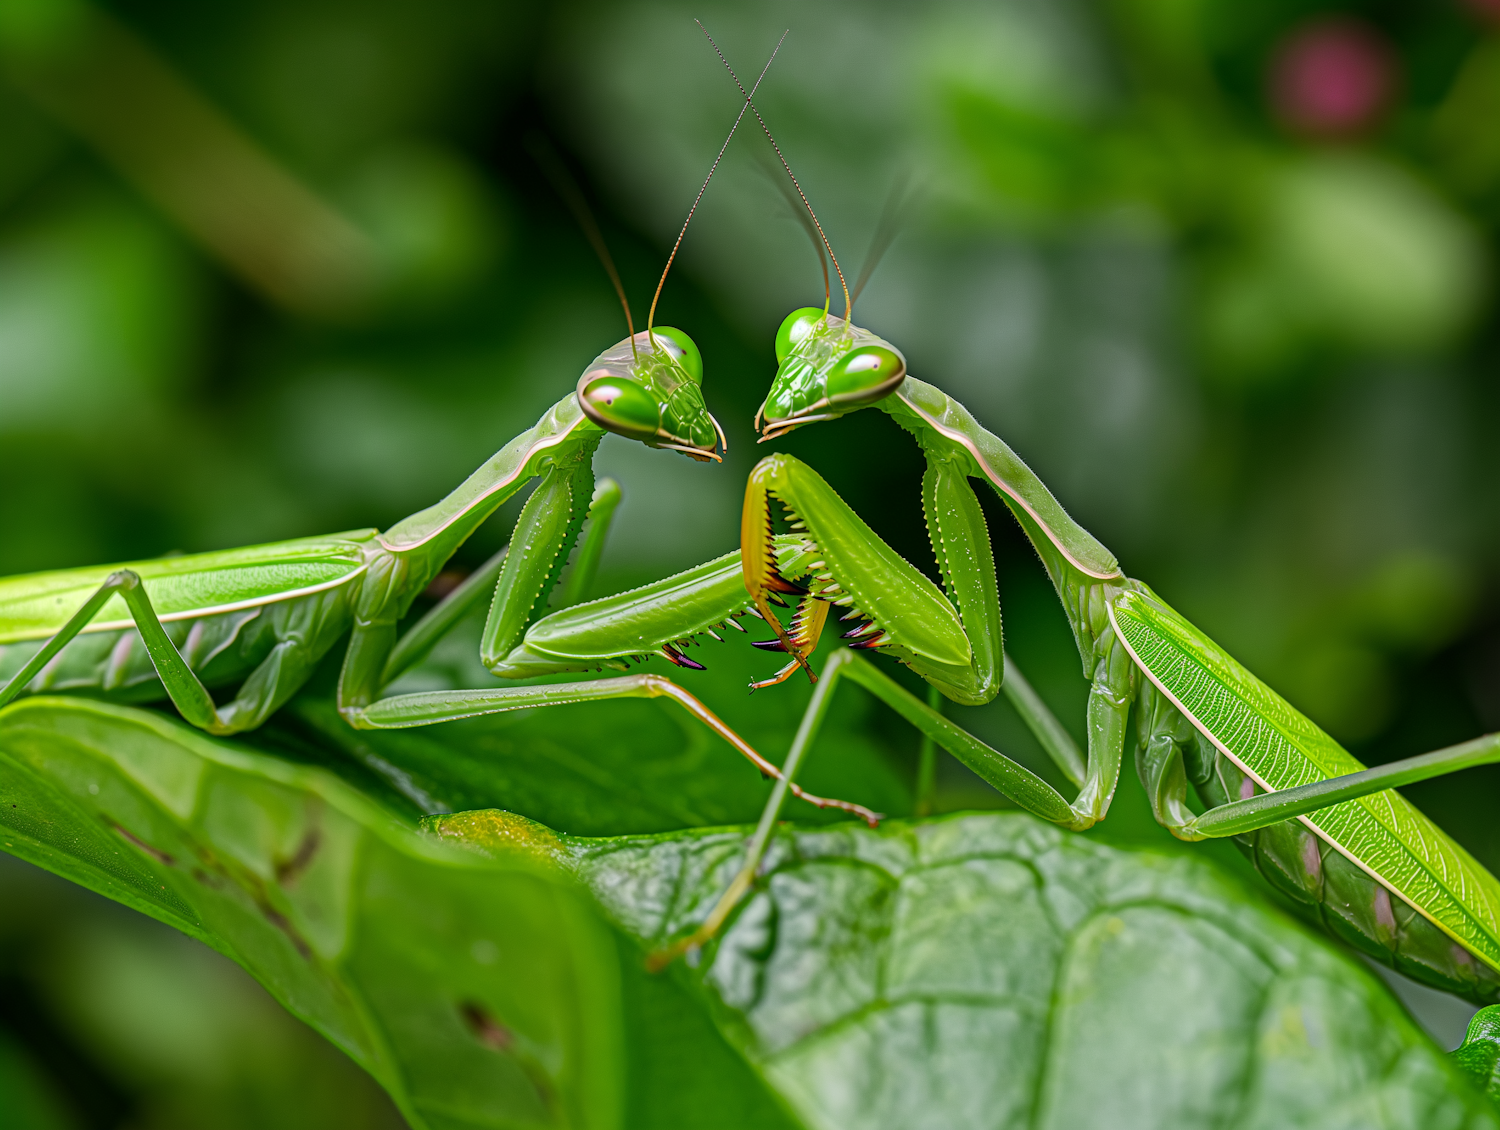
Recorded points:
649,388
827,366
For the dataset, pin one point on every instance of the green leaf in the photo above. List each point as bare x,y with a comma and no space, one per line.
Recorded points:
972,971
990,970
1478,1056
480,993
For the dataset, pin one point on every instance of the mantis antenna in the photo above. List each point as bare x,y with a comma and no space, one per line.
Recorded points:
545,156
827,296
886,230
799,213
651,317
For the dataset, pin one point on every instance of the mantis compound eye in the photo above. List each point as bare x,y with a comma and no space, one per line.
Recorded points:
621,405
680,347
796,327
865,375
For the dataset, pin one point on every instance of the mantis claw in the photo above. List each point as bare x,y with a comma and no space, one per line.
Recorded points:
672,655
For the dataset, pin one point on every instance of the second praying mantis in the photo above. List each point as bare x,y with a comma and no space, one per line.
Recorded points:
1324,829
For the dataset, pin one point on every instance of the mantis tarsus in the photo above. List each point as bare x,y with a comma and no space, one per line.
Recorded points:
1326,830
262,617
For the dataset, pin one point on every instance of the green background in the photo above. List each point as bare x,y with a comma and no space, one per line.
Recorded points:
1255,357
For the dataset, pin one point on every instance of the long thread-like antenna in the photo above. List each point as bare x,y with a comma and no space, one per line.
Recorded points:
799,213
542,152
827,297
651,317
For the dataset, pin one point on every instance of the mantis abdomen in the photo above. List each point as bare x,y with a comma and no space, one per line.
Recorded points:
1345,899
1373,869
226,613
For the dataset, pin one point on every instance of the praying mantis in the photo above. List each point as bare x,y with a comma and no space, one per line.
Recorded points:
262,617
1327,831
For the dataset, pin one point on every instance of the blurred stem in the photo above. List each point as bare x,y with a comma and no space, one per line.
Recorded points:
927,762
180,152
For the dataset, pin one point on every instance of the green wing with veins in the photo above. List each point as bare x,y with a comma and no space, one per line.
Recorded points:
1280,748
36,605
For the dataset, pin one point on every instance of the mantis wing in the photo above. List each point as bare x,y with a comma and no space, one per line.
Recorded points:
1278,747
36,605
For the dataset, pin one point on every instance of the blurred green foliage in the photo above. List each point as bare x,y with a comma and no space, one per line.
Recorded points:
1222,273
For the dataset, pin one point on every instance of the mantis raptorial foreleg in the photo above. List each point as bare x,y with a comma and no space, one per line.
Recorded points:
954,644
419,640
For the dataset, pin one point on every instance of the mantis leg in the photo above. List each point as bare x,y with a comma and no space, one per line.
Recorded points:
807,730
423,636
586,564
927,763
1110,696
428,707
276,679
1265,809
966,561
1166,738
1009,777
114,583
960,538
520,578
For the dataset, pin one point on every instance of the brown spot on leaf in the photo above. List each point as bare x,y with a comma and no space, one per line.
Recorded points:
155,853
281,922
289,870
485,1028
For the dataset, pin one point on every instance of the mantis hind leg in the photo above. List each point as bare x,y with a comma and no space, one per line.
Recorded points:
807,730
426,708
1167,743
311,629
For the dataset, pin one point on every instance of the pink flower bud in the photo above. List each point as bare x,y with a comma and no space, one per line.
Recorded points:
1331,78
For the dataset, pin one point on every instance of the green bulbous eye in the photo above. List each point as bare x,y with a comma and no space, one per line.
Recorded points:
622,406
685,351
866,374
798,324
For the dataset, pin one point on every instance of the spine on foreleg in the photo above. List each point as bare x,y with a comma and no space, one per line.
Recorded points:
1346,900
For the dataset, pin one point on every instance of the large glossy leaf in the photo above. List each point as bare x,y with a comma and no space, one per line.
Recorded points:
976,971
992,971
480,993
